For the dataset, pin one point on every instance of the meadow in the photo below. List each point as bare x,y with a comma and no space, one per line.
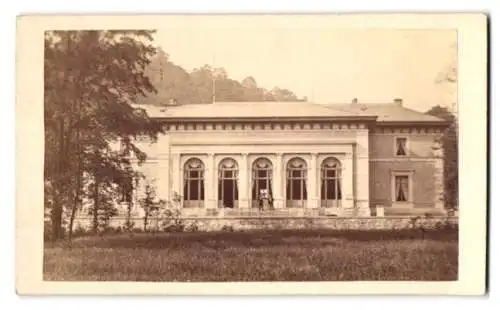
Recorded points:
301,255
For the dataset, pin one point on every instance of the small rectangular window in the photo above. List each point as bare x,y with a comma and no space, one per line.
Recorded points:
401,146
402,188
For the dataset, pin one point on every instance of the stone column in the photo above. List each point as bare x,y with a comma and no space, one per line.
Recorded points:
312,182
279,201
243,183
347,207
362,175
211,183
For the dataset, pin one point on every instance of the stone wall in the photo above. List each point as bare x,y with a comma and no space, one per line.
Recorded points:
217,223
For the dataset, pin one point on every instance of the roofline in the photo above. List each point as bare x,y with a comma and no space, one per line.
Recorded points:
439,123
273,118
373,119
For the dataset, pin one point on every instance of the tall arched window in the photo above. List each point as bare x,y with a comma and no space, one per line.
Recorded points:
228,183
296,183
262,179
331,177
194,189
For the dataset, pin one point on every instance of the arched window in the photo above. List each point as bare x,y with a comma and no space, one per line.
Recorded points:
331,176
228,183
296,183
262,179
194,189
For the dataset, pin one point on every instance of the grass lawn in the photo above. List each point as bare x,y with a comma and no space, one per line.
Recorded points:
257,256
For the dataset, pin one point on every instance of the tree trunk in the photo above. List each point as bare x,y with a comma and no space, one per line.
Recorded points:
60,190
56,218
146,219
78,176
59,185
95,222
75,206
128,222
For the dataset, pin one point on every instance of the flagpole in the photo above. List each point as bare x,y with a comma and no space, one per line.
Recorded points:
213,78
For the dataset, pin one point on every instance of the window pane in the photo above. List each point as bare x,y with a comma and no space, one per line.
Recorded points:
288,190
201,190
193,190
262,173
330,190
401,146
194,174
330,173
402,189
304,189
262,185
295,188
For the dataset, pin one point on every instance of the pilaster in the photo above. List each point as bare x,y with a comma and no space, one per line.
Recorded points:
176,172
312,183
362,175
163,180
243,182
278,188
211,183
347,185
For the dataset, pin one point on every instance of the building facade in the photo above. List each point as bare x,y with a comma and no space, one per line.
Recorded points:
300,158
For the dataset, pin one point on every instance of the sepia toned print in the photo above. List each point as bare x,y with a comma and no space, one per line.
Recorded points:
186,154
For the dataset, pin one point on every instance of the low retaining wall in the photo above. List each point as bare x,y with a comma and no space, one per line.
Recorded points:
247,223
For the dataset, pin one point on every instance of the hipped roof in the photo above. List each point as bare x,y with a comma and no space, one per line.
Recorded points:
382,113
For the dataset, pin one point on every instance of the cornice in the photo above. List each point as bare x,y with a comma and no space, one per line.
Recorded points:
407,130
303,125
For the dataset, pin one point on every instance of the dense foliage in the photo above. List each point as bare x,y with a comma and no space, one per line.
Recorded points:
449,143
173,82
90,127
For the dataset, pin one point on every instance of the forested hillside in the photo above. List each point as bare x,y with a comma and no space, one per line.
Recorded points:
173,81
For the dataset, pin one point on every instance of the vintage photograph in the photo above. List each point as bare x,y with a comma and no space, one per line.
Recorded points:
239,150
223,155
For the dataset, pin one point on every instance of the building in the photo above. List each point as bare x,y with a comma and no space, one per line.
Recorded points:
345,160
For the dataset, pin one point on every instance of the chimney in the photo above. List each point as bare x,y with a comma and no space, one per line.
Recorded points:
355,101
172,101
398,101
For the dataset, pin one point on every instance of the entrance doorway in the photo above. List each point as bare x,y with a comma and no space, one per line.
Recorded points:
228,184
262,179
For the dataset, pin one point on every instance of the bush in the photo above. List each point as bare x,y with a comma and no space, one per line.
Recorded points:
79,231
193,227
174,228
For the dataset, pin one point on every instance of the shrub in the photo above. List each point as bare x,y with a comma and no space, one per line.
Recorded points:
174,228
193,227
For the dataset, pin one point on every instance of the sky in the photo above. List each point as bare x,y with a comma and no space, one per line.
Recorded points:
326,64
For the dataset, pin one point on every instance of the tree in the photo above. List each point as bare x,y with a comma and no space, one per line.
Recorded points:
172,81
449,143
149,204
283,94
90,78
